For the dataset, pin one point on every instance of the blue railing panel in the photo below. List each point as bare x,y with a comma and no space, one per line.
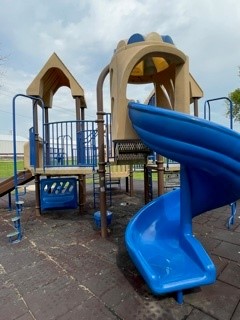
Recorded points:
70,143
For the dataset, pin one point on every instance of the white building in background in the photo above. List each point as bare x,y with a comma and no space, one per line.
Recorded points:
6,145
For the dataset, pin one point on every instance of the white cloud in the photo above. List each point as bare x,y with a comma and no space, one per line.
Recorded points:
85,33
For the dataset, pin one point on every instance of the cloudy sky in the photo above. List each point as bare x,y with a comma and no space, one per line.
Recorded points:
84,34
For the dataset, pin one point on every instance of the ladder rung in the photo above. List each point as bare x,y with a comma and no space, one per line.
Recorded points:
13,234
15,219
20,202
21,188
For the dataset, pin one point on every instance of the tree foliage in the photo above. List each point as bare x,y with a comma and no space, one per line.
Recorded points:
234,96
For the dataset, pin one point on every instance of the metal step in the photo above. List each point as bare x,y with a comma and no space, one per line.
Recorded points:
16,222
15,219
20,202
19,205
22,190
13,237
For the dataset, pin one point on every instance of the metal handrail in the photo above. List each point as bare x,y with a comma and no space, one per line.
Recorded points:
207,103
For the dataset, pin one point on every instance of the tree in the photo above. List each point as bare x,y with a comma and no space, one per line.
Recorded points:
234,96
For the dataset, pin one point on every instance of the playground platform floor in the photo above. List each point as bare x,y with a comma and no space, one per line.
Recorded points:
62,269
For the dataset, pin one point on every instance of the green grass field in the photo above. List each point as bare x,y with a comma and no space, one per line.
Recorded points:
138,175
6,168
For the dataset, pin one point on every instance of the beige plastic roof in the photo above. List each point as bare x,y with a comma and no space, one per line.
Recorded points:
195,90
52,76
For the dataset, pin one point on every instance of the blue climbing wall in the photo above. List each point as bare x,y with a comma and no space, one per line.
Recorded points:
58,193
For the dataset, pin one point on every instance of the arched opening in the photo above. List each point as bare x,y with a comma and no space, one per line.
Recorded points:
63,108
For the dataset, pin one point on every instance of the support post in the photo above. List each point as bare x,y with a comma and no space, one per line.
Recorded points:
195,106
160,175
37,160
9,201
180,297
146,185
131,180
101,154
37,195
47,136
81,192
83,177
126,184
78,106
36,134
82,113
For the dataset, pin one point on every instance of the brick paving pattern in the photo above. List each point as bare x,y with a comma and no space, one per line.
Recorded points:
63,269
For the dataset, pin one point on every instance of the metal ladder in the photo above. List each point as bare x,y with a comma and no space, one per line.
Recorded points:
108,187
148,184
16,235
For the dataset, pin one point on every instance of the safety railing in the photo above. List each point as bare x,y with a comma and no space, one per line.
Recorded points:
69,144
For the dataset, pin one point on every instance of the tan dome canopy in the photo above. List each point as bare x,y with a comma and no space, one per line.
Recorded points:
149,59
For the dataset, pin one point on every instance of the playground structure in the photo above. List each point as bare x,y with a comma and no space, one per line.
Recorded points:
159,238
59,155
142,60
52,147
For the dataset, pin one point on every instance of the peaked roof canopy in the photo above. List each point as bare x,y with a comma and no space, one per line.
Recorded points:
52,76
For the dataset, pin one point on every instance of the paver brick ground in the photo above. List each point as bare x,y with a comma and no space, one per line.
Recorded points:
62,269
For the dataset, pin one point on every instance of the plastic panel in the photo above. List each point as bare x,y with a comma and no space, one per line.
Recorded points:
58,193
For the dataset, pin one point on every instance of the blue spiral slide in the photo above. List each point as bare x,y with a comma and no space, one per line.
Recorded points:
159,237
